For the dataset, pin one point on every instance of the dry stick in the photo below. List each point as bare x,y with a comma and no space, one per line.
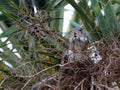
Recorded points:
62,65
106,87
43,82
3,81
44,70
92,82
80,83
32,76
50,87
91,87
82,86
101,85
26,83
37,74
99,88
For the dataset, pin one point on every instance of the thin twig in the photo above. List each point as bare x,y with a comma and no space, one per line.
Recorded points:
3,81
26,83
80,83
101,85
37,74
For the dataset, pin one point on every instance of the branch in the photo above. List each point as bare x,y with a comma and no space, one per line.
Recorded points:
44,82
80,83
26,83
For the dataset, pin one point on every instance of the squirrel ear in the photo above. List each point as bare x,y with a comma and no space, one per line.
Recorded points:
82,26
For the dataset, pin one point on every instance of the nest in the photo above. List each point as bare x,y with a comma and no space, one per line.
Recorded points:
87,75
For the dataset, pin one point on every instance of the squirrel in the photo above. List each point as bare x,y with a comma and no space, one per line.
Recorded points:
78,38
78,42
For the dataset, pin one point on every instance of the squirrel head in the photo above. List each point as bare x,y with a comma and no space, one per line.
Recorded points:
77,34
77,38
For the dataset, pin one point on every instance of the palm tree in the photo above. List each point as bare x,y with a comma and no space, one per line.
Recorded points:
34,27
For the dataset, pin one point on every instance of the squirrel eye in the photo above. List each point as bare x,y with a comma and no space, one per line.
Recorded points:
80,29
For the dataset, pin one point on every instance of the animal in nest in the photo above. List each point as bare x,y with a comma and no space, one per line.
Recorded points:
77,39
78,42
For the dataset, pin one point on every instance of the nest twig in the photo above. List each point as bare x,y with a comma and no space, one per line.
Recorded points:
87,75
